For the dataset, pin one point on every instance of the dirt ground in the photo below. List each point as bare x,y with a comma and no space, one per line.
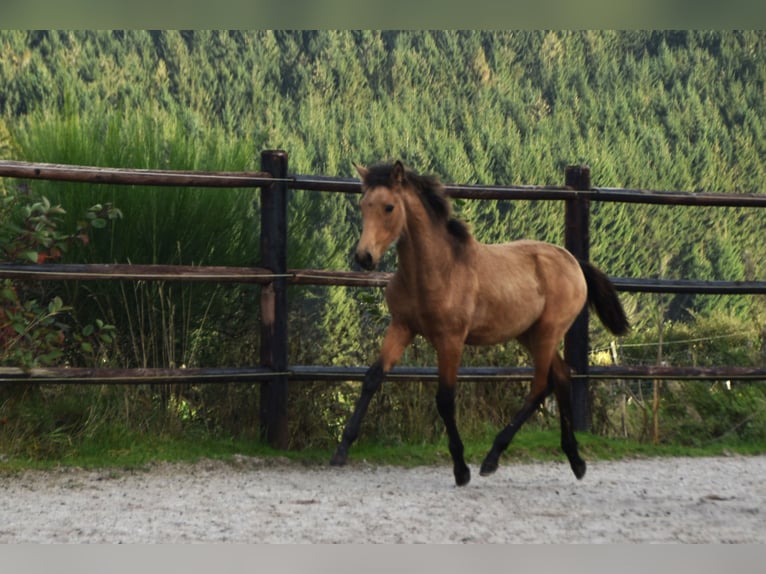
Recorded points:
670,500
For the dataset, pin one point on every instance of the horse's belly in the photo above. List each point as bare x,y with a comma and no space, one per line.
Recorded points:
497,328
484,339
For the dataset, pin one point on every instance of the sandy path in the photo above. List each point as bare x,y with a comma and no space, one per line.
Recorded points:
251,500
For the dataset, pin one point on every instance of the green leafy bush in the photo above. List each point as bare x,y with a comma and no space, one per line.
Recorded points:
34,319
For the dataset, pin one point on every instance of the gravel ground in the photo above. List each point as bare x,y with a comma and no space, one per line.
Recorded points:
669,500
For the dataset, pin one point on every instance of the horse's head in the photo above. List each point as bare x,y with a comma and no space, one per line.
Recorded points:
383,212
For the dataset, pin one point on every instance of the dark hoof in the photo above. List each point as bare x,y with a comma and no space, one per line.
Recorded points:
339,458
579,467
489,466
462,475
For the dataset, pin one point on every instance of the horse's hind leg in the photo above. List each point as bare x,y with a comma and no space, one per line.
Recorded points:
533,400
558,380
542,352
563,388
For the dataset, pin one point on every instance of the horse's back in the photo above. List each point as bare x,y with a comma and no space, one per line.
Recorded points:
552,269
525,254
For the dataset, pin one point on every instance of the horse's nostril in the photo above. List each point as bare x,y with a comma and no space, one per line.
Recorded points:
364,259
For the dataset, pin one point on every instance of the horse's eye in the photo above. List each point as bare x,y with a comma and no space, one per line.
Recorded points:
389,208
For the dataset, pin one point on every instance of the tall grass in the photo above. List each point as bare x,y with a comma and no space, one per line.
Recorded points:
161,225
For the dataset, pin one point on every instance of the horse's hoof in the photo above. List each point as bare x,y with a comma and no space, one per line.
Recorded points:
462,476
579,468
489,466
339,458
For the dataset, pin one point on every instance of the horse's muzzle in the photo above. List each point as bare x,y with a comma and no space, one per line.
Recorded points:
365,261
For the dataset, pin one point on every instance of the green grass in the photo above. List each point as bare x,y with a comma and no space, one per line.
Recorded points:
132,451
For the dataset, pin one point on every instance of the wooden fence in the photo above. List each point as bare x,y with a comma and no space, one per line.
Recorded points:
274,372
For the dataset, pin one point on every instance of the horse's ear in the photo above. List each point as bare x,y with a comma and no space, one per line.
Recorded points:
398,174
361,170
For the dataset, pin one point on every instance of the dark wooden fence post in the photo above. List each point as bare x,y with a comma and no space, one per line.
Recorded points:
274,300
577,241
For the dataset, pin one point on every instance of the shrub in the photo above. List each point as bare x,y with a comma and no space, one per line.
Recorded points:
33,317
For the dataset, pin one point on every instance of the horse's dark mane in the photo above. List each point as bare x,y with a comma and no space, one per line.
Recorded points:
430,191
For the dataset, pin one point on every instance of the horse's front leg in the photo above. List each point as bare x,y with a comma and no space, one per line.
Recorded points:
396,340
449,361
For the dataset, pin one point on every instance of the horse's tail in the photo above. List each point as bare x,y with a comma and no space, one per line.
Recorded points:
602,296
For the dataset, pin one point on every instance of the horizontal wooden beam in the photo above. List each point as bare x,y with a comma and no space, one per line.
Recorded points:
125,176
678,373
131,272
189,273
689,286
65,375
139,376
688,198
179,178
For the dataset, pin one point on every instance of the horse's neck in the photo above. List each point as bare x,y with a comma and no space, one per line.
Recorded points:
424,253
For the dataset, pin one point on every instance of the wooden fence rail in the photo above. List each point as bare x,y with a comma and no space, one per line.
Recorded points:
274,373
261,276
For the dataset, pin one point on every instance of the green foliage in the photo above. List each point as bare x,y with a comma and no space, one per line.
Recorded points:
701,413
36,239
692,413
710,340
31,334
32,320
